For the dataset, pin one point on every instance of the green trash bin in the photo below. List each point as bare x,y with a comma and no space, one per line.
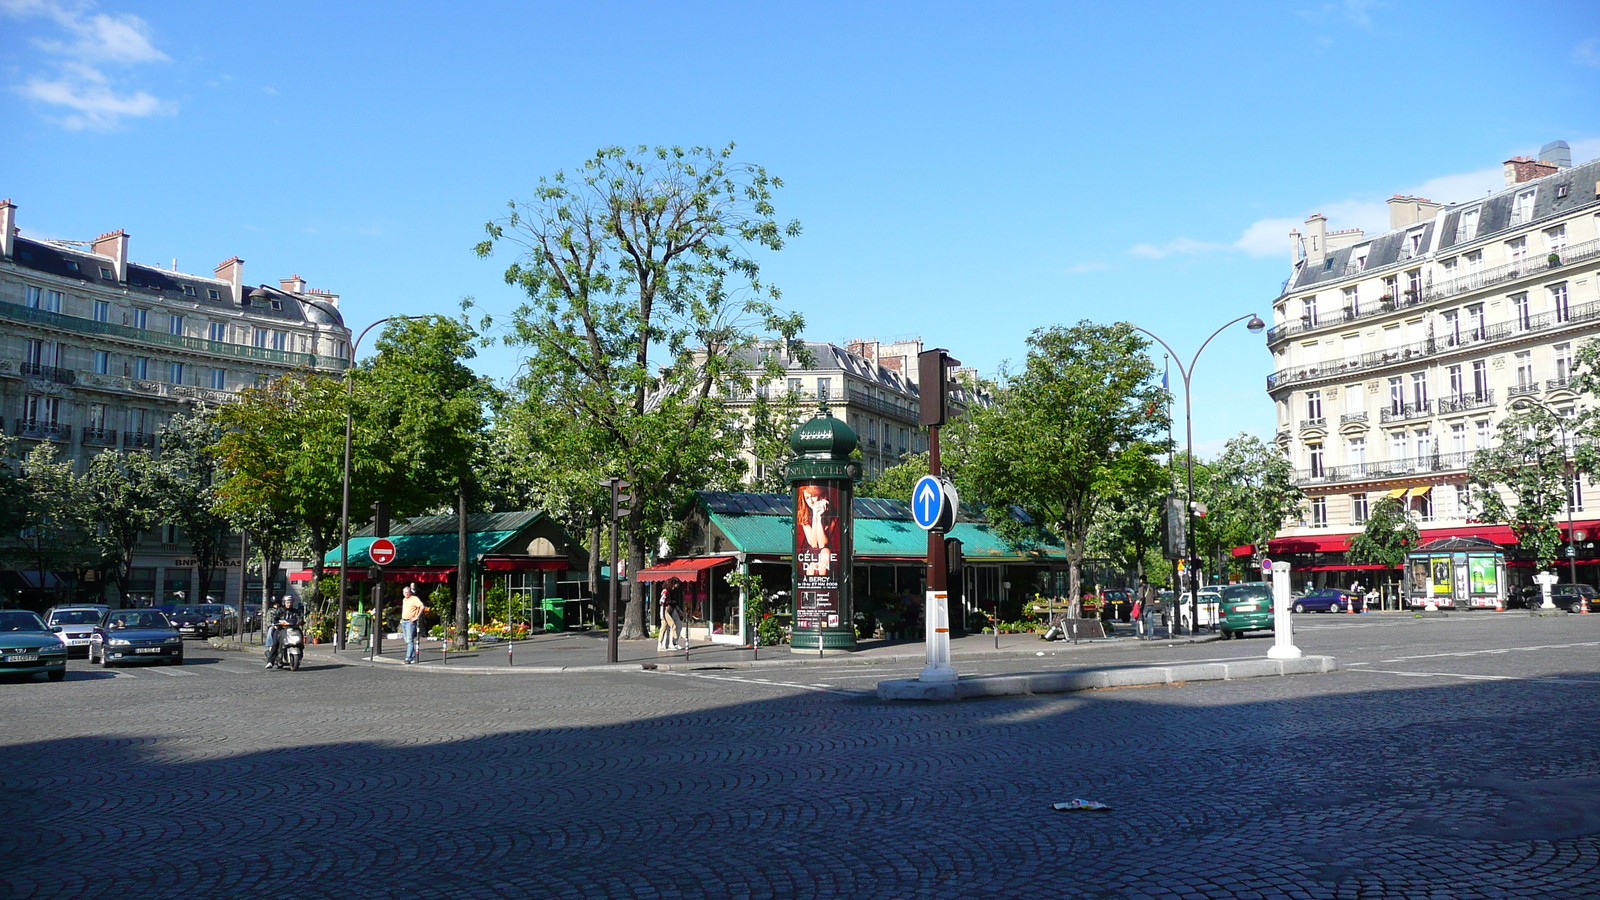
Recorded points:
555,614
358,626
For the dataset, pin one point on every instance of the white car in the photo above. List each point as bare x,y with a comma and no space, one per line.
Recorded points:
74,624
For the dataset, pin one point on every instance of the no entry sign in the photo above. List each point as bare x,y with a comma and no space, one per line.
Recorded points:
382,551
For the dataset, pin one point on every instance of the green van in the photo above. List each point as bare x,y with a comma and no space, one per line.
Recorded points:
1246,607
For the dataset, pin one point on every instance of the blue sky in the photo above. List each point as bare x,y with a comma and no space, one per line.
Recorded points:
966,173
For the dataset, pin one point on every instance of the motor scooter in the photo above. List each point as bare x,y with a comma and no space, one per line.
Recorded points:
292,647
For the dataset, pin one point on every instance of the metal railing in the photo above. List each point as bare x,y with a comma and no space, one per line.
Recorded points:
1347,418
1433,462
1400,413
49,373
65,322
882,407
1466,402
138,440
1434,346
1460,284
1557,384
106,436
1523,390
49,431
1318,422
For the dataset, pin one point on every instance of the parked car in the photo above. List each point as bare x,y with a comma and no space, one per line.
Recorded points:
73,623
1330,600
1246,607
135,635
252,616
205,620
1573,597
28,646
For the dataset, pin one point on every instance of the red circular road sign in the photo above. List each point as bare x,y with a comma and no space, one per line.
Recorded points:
381,551
1265,564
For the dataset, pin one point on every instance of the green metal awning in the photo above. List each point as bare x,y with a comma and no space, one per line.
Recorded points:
882,538
422,549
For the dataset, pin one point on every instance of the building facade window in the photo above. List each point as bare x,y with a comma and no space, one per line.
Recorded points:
1524,369
1562,354
1308,312
794,386
259,339
219,379
1458,437
175,373
141,317
1522,208
1397,395
1463,501
140,367
1480,380
102,311
824,388
1419,390
1450,327
1458,383
1319,512
1483,434
1414,284
42,410
1521,312
1555,239
1517,250
1314,405
280,340
1356,451
102,362
1314,455
175,324
1397,447
97,416
1558,302
1476,321
218,332
1358,509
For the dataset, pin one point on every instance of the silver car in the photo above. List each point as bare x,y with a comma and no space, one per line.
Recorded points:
74,623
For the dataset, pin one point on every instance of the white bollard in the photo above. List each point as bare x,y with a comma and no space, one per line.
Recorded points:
936,634
1282,627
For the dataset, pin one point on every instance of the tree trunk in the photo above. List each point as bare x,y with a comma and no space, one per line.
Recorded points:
633,624
462,625
596,553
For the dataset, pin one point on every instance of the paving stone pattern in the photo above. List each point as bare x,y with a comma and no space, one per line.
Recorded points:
220,780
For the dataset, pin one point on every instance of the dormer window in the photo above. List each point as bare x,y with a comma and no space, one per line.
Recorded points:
1467,227
72,267
212,294
1522,208
1562,190
106,273
189,289
277,304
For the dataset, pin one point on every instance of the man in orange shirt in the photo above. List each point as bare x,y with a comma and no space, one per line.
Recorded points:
411,610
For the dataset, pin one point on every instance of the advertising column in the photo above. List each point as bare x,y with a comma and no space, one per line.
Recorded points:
823,478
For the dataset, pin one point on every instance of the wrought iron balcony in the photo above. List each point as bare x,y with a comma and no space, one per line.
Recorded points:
46,431
104,436
1558,384
1466,402
1398,468
138,440
49,373
1394,413
1460,284
1347,418
1318,422
1523,390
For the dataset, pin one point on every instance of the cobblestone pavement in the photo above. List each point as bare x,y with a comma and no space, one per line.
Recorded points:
1453,758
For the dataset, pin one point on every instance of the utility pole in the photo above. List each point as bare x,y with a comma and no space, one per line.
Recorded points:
621,508
933,388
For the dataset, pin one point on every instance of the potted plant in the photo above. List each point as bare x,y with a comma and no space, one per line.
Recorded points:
1554,259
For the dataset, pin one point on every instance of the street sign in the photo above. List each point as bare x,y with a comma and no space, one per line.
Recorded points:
381,551
1266,564
933,503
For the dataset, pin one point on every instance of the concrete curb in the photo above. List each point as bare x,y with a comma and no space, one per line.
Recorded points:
1066,682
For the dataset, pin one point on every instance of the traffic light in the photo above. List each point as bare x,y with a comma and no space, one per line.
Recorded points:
933,386
953,558
380,519
621,499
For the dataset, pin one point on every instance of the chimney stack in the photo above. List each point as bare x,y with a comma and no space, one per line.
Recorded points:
1405,210
1316,238
294,284
1520,169
1297,247
231,270
8,227
115,245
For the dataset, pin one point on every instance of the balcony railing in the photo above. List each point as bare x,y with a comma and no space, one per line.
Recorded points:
138,440
105,436
46,431
1466,402
18,313
160,389
1523,390
883,407
1318,422
1368,471
1434,346
1408,411
1347,418
1558,384
49,373
1461,284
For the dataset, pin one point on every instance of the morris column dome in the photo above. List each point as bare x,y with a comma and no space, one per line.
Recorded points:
824,437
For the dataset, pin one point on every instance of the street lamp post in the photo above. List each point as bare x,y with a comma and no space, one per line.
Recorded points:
1187,372
1572,487
344,512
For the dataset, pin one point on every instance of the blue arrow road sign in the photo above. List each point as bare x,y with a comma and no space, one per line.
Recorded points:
927,502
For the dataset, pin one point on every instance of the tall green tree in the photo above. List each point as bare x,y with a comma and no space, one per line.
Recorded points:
434,411
122,499
1074,429
1127,527
58,538
896,482
13,491
1390,534
186,475
1525,479
645,300
1249,493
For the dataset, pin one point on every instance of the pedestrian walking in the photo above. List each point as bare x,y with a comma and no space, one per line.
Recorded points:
674,634
411,610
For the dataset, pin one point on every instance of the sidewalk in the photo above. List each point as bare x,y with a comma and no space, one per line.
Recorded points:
586,652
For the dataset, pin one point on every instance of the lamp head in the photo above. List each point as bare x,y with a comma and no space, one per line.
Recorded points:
1255,325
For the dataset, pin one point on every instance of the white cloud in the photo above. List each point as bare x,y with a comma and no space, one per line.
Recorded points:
92,40
1084,268
1587,53
1183,246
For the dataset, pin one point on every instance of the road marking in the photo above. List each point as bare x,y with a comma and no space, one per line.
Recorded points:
1467,653
174,672
1538,678
804,687
234,671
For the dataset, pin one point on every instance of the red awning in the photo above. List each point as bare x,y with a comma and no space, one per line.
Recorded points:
329,572
1246,550
523,564
1329,543
1367,567
1500,534
683,569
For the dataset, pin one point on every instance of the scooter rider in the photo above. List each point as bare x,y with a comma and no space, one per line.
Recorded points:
281,617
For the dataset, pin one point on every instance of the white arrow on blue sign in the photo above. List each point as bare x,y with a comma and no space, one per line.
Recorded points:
927,502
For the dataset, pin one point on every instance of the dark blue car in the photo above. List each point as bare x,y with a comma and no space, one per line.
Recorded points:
1330,600
135,635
